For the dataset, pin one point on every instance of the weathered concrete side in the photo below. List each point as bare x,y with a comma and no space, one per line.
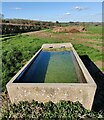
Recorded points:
53,92
43,92
57,45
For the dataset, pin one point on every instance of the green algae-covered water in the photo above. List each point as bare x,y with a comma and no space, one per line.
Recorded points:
61,68
50,67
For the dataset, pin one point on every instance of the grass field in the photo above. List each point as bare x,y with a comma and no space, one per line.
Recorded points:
18,49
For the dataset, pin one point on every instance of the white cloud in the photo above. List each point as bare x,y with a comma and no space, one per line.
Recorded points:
67,13
80,8
17,8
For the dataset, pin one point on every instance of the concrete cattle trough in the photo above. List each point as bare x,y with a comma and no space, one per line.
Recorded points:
54,73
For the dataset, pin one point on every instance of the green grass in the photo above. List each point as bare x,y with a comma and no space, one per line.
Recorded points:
17,50
48,30
91,52
94,29
97,38
102,68
6,38
98,44
28,45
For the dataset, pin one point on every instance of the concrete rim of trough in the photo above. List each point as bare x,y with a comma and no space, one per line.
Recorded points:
90,85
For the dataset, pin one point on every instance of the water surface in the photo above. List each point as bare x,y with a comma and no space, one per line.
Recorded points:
51,67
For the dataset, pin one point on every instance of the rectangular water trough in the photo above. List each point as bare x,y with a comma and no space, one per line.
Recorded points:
54,73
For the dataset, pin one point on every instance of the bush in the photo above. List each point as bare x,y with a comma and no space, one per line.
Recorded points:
10,64
40,111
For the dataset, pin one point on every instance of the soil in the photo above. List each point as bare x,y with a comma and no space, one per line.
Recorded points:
69,29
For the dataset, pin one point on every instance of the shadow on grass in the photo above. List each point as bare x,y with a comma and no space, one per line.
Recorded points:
98,76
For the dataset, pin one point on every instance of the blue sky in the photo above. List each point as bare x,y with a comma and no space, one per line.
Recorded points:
54,11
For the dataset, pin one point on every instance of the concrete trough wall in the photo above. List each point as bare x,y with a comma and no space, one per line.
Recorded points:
44,92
